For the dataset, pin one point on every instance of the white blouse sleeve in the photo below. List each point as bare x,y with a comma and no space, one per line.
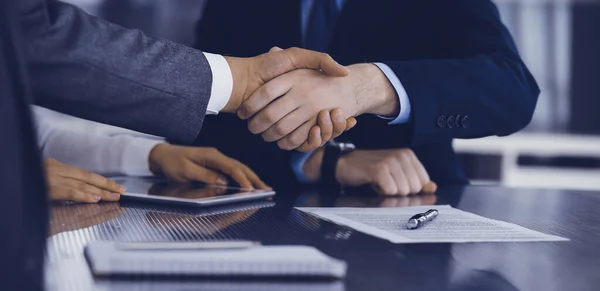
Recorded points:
92,146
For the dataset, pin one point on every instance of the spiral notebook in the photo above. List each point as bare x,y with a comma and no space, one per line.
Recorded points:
108,259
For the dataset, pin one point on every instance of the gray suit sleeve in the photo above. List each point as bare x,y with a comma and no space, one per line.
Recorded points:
90,68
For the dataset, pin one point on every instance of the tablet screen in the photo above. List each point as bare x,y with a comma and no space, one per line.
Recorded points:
158,187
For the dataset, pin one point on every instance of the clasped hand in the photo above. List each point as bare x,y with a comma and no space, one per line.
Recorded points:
302,99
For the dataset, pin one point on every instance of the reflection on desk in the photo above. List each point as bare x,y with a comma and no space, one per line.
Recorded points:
373,264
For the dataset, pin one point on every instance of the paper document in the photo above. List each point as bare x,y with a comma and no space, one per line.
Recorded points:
108,258
451,226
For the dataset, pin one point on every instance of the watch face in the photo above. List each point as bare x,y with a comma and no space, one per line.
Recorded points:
343,147
347,147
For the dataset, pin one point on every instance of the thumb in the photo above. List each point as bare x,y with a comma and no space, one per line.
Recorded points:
302,58
275,49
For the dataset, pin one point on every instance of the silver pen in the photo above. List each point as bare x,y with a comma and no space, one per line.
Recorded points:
422,219
209,245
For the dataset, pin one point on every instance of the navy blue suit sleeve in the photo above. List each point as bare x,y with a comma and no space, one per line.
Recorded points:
481,78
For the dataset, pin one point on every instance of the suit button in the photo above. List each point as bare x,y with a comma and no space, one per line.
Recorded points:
441,121
450,121
465,122
457,120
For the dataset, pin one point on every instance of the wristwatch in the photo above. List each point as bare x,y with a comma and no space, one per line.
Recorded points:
333,151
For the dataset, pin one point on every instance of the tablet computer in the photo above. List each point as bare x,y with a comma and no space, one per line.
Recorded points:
192,194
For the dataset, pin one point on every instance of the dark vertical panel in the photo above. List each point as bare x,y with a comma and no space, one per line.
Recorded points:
585,82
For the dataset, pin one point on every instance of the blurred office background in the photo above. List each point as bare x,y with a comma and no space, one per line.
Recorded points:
558,39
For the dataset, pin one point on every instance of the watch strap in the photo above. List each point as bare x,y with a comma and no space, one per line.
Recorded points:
331,155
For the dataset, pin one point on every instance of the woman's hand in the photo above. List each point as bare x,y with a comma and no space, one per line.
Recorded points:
208,165
68,183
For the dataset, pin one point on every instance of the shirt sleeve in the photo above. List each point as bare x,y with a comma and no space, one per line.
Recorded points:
404,114
86,148
297,162
222,84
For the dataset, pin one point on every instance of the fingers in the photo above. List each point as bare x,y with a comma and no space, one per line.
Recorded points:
67,193
332,124
383,182
297,137
195,172
262,97
314,140
404,162
326,125
71,183
428,185
418,167
239,172
408,174
80,196
339,123
288,124
271,114
254,179
92,179
401,178
92,191
239,176
302,58
351,123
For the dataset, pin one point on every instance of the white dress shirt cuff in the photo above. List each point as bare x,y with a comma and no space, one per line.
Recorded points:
222,83
404,114
136,154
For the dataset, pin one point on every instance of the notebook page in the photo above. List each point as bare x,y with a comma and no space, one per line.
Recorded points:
260,261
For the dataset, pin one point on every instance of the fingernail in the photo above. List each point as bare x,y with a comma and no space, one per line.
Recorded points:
327,120
115,195
122,189
221,181
338,118
96,197
242,113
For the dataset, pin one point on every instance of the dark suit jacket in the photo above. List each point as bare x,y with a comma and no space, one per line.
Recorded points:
23,216
90,68
455,58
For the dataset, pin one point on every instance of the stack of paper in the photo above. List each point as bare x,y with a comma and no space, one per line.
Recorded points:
106,258
451,226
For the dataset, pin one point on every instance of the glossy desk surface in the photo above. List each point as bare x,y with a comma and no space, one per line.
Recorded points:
373,264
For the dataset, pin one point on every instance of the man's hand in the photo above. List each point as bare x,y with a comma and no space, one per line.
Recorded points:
208,165
390,172
68,183
304,93
327,128
251,73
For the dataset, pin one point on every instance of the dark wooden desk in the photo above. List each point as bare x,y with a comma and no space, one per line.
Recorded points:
373,264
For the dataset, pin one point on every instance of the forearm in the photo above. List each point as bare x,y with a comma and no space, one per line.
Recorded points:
374,93
119,155
93,69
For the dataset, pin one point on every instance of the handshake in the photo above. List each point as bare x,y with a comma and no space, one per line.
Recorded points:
301,99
